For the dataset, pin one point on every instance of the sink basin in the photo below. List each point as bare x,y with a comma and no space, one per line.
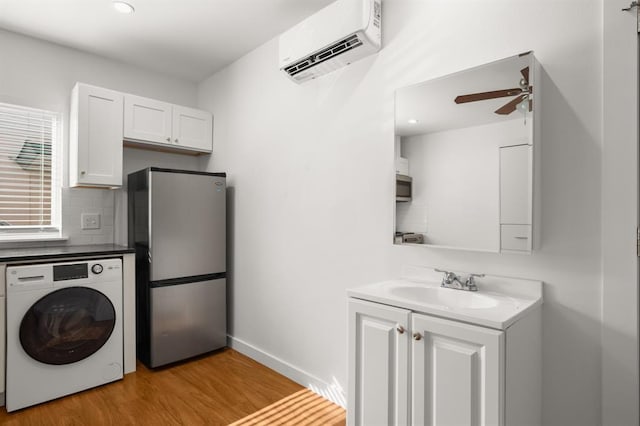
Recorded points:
445,297
499,302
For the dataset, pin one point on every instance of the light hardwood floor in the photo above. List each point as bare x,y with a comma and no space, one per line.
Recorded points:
217,389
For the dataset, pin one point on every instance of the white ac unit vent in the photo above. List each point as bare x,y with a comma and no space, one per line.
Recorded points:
341,33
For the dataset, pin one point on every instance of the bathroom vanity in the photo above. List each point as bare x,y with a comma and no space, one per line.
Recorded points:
422,354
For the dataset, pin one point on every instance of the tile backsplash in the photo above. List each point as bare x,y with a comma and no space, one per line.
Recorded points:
75,202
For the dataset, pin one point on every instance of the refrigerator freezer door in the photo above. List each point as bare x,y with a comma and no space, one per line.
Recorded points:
188,232
187,320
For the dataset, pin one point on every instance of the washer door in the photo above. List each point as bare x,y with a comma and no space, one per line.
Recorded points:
67,325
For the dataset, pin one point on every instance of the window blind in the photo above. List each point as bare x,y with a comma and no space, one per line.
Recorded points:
27,138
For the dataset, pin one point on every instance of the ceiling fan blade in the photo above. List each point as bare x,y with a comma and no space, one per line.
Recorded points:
509,107
525,73
473,97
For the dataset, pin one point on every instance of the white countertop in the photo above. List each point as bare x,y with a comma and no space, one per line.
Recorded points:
498,303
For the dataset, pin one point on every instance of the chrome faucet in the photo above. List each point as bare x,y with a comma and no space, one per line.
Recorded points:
451,280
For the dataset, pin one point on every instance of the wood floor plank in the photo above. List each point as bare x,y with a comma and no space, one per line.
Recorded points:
217,389
303,408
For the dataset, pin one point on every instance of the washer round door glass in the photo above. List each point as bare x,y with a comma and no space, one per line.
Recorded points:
67,325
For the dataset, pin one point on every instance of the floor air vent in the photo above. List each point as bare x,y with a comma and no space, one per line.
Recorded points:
340,47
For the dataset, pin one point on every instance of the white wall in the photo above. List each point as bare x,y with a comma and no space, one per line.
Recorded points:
312,170
39,74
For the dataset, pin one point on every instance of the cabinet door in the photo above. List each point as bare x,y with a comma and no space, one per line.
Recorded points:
457,373
147,120
192,128
95,137
515,238
378,362
515,184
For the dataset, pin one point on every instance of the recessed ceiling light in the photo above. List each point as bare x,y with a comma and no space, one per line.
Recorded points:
412,121
123,7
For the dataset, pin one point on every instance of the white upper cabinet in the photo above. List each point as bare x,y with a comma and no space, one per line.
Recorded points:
101,119
147,119
192,128
95,137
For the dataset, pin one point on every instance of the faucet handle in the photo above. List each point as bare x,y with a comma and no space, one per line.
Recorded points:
444,272
471,281
449,277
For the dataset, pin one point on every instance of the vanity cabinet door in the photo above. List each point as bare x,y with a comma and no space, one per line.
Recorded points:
378,364
457,373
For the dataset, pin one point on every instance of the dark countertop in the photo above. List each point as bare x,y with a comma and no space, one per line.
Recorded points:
44,253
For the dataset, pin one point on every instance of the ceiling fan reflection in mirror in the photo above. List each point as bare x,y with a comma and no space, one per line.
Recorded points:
522,102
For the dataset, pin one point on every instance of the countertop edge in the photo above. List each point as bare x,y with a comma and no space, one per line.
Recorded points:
63,254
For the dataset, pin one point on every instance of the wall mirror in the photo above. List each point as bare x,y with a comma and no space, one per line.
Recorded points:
464,155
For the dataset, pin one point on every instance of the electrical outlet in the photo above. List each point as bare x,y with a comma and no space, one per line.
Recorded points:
90,220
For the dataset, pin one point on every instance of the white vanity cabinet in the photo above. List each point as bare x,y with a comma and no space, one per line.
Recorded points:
408,368
167,125
95,137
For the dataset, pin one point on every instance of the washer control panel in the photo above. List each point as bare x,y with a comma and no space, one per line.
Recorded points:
63,274
73,271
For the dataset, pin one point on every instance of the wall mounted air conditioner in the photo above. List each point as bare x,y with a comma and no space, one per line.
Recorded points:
341,33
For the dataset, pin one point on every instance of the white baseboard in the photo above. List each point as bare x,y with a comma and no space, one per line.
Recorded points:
332,391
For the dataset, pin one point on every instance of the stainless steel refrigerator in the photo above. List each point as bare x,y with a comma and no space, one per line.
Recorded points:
177,224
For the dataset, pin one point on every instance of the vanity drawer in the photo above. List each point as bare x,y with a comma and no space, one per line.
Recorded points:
515,237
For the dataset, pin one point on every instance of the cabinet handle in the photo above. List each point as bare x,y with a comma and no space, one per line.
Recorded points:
177,141
168,139
400,329
83,172
417,336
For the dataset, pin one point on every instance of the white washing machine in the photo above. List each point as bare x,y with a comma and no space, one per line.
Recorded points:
64,329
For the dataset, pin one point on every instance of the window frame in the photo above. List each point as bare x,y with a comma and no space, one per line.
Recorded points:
17,233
